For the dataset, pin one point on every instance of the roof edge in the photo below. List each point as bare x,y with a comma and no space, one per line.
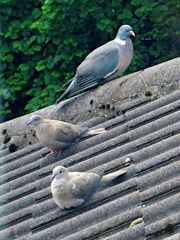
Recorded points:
150,81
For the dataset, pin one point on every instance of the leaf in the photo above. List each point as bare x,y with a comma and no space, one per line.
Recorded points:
36,47
56,74
126,14
4,48
41,38
32,39
51,15
83,14
24,67
80,53
136,221
9,57
41,65
140,11
56,41
5,1
136,2
37,25
44,93
57,58
101,26
3,65
16,44
105,21
70,41
36,13
6,104
91,9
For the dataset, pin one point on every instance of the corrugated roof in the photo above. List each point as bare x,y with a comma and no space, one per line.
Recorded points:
144,139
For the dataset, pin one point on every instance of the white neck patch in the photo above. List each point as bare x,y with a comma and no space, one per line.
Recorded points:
121,42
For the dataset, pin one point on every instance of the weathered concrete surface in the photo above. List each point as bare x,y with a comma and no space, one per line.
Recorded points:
105,100
154,81
144,140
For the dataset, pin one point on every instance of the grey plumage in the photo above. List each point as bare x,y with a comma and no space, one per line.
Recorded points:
104,63
71,189
58,135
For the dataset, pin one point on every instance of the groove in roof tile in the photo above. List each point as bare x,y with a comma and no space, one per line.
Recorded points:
20,153
159,160
152,180
155,149
151,124
163,226
174,140
14,232
14,195
159,175
173,237
23,152
38,209
154,126
19,228
130,149
156,104
95,215
131,133
112,122
158,192
78,147
106,227
22,161
156,114
136,232
93,122
134,104
161,209
3,153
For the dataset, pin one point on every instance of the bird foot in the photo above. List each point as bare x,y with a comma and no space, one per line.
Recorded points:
54,153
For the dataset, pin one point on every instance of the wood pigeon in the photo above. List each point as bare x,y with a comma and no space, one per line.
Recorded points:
104,63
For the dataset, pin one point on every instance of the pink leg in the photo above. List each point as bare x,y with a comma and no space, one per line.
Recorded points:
54,153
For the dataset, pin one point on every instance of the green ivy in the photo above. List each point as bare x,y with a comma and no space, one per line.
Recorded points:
43,41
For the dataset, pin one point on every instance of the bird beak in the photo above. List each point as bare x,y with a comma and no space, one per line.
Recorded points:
52,177
132,33
28,123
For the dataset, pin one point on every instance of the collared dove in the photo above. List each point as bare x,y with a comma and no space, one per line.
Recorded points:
104,63
58,135
71,189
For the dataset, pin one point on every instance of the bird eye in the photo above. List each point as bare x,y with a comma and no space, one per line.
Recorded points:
60,171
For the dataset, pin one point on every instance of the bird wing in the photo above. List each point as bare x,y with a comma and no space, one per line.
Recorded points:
98,66
66,132
84,185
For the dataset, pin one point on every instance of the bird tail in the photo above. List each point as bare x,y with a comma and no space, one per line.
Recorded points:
68,90
95,131
99,170
112,177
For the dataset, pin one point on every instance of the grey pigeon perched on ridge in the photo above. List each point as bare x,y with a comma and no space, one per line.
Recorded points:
58,135
104,63
71,189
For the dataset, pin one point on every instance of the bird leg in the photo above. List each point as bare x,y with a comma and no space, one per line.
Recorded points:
54,153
